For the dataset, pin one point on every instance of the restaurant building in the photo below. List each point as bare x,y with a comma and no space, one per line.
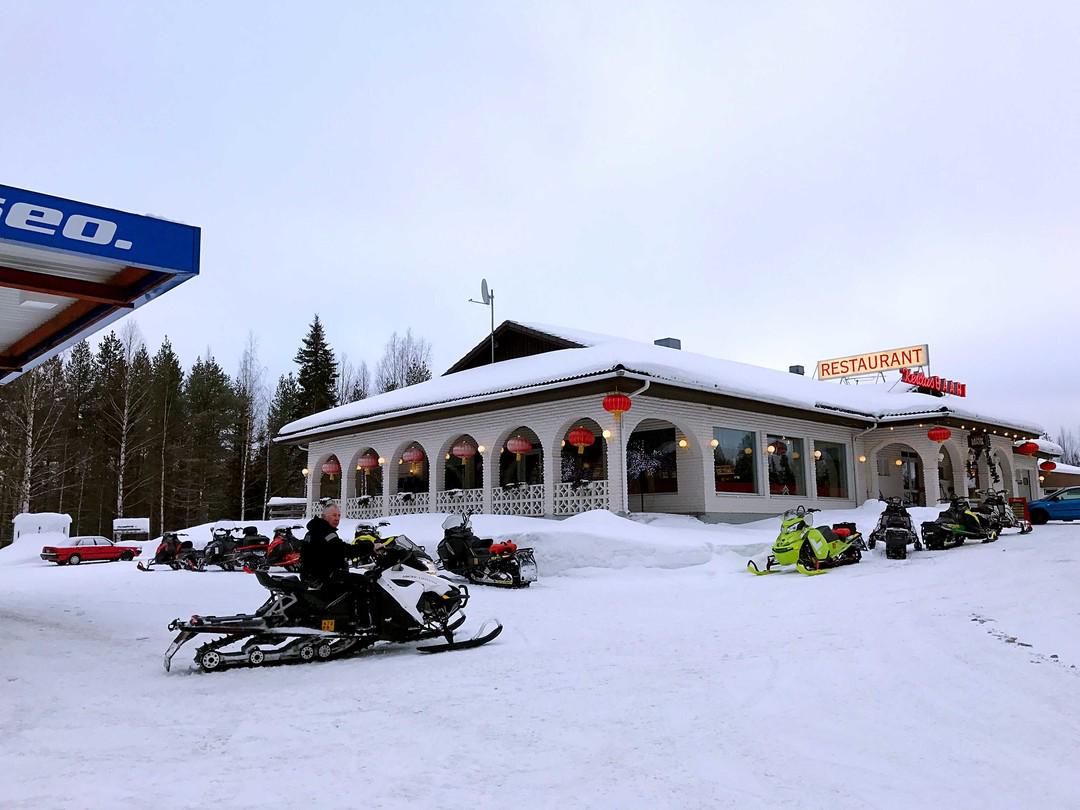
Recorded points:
562,421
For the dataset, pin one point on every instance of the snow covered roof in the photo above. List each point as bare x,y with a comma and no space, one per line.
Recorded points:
45,521
279,501
607,356
1066,469
1045,446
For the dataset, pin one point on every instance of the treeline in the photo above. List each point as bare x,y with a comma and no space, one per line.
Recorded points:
126,432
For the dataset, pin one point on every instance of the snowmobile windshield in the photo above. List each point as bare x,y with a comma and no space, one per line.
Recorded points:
404,544
793,514
453,522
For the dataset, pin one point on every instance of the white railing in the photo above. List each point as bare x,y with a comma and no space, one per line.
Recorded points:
518,499
459,500
573,497
408,503
364,507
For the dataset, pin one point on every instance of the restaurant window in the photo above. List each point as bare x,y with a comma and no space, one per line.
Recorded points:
830,469
787,471
734,464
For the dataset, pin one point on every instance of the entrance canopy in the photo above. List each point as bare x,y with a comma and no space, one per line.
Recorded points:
68,269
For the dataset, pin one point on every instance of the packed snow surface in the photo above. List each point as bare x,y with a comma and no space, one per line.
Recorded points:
646,668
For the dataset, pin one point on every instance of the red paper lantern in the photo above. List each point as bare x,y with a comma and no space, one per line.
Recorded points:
413,455
368,461
938,434
581,437
1048,466
617,404
1028,449
331,467
518,445
463,450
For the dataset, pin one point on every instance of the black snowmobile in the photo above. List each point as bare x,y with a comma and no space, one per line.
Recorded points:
480,560
896,530
994,504
175,553
221,550
958,524
299,622
283,551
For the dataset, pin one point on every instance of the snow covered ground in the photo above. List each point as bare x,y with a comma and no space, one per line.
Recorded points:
645,669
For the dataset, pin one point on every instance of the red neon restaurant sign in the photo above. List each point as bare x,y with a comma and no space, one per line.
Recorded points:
919,379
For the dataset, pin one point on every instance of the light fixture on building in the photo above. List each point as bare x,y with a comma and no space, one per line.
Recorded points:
382,460
899,462
305,471
891,427
481,449
606,434
862,459
1042,478
562,443
682,443
817,455
748,450
770,449
716,443
447,456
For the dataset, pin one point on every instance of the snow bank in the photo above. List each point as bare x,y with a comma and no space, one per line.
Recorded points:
598,539
27,549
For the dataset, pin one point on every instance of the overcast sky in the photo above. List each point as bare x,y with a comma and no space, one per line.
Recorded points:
770,182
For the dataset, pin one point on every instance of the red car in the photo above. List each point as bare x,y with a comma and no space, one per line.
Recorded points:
89,549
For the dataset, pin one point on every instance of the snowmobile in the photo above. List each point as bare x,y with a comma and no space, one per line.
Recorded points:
282,552
221,550
896,530
994,504
300,623
480,560
957,524
173,552
811,550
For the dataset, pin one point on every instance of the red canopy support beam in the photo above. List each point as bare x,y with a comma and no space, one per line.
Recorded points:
67,287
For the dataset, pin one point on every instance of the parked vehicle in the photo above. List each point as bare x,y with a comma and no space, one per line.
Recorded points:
89,549
896,530
480,560
811,550
958,524
995,505
175,553
1061,505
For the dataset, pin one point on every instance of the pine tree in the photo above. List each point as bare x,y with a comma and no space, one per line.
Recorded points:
284,463
211,408
318,371
167,418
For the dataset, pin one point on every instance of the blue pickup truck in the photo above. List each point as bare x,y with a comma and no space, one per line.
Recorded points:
1061,505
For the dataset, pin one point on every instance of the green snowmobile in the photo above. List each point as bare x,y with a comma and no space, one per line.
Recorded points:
958,523
811,550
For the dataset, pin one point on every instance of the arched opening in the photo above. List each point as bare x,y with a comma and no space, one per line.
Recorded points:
369,474
900,474
583,454
946,472
412,475
521,459
329,473
463,464
652,465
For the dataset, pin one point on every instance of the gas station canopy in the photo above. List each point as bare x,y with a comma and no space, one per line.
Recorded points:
68,269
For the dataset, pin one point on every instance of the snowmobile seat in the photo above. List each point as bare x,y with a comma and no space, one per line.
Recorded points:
290,584
829,535
480,543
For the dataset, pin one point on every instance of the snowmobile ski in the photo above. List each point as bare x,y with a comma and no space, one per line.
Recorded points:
482,637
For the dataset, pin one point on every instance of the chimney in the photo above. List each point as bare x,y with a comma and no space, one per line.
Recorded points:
797,370
669,343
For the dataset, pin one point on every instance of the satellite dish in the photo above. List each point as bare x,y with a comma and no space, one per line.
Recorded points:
484,294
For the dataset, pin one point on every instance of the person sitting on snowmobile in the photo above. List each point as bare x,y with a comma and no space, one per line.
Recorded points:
324,560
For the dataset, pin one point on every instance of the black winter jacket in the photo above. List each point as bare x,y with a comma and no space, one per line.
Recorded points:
323,555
